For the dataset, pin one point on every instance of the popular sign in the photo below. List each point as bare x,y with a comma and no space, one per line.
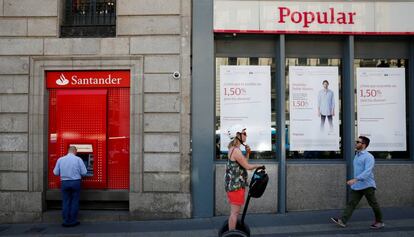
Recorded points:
87,79
300,17
306,18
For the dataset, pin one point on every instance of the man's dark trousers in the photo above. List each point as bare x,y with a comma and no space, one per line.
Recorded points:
70,201
356,196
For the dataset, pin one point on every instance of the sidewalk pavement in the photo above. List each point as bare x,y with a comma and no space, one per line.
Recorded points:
398,222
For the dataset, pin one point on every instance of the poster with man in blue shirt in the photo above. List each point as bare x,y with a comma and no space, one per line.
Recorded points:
70,168
363,184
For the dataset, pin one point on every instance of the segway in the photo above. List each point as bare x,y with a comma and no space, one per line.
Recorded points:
257,187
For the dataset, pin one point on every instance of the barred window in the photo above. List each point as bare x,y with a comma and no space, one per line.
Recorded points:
89,18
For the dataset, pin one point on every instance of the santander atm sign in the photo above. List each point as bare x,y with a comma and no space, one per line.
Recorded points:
87,79
309,17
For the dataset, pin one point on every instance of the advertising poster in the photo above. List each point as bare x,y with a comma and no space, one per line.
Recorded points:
314,110
245,100
381,108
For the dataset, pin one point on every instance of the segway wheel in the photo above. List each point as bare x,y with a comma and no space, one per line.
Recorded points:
235,233
239,227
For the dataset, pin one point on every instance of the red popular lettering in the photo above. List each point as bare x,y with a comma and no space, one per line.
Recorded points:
283,12
306,18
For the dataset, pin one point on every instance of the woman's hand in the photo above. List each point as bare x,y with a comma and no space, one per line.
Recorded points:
260,167
248,150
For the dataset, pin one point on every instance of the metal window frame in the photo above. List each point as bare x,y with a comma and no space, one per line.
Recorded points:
90,25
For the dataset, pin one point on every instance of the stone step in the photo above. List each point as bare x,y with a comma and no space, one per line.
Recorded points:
55,216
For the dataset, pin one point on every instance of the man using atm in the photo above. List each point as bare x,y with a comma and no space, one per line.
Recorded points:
70,168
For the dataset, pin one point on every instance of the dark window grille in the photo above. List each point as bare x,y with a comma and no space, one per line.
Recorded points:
89,18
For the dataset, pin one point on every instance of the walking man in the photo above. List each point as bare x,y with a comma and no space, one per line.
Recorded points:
70,168
363,184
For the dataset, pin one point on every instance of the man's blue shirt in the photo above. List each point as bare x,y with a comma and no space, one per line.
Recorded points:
70,167
363,170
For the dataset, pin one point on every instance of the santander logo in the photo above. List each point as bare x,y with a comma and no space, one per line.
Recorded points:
62,81
79,80
88,79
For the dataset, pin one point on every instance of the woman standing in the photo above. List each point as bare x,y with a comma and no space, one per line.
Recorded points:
236,174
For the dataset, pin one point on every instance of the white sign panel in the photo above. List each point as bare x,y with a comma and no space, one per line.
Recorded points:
381,108
245,99
313,104
298,17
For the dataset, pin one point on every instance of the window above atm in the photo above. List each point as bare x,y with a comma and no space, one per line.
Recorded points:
88,18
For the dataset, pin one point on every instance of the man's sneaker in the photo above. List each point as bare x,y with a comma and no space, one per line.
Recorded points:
338,222
377,225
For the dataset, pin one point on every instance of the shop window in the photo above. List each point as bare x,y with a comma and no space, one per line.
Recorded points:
313,108
232,61
302,61
245,61
381,106
89,18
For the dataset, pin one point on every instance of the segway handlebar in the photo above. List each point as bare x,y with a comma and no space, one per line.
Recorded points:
260,168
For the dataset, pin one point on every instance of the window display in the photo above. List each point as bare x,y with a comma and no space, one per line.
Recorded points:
380,97
313,104
265,65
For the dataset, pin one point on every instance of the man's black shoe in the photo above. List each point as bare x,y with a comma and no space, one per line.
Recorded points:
71,225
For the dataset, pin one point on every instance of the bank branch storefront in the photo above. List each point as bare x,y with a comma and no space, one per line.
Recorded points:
307,78
90,110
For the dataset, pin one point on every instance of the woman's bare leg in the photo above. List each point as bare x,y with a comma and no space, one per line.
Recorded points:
234,213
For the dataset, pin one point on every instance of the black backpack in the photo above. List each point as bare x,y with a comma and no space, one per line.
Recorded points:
258,182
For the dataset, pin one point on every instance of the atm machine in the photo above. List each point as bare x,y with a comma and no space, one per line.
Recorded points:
85,151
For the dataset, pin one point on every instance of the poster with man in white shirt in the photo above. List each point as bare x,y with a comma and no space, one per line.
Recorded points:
313,100
326,105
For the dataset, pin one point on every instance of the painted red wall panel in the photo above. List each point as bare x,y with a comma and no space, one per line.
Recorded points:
53,155
118,138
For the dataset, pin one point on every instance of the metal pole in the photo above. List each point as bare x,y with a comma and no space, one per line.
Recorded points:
203,129
280,121
348,105
411,98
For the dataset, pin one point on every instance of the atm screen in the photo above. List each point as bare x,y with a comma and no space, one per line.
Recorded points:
88,161
85,152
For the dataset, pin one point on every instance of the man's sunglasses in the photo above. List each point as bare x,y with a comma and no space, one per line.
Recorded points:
359,142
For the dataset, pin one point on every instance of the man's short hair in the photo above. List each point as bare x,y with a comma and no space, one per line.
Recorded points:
72,149
325,81
365,140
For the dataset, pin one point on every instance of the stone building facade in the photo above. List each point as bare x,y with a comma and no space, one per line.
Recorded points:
175,167
152,41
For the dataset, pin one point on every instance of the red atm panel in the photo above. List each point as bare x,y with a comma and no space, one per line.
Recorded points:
80,119
88,110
